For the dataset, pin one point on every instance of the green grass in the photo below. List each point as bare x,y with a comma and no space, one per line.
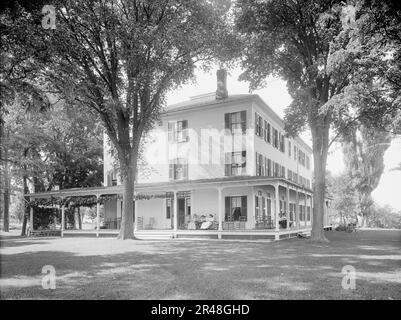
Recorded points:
90,268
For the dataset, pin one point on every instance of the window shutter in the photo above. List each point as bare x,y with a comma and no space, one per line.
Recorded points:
243,159
227,207
243,121
256,124
171,171
257,163
227,121
244,207
185,130
185,170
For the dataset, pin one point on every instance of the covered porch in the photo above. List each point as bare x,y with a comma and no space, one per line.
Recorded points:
224,208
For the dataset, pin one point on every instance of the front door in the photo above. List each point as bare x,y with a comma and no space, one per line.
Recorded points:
181,212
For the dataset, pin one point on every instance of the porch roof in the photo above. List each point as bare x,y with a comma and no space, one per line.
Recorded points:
169,186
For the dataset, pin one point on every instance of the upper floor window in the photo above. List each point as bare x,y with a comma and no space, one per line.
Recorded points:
235,163
235,122
277,169
282,142
258,125
178,131
289,174
178,169
267,131
112,179
307,162
269,172
260,164
275,138
289,148
301,157
295,153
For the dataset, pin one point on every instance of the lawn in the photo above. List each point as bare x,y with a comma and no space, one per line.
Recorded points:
90,268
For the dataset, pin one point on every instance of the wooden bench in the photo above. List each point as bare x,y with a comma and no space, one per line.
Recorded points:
45,233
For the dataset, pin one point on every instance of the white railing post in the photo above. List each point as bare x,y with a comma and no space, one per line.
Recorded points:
277,199
97,215
62,218
220,209
175,212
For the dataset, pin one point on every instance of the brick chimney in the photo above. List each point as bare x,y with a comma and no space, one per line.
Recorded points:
221,92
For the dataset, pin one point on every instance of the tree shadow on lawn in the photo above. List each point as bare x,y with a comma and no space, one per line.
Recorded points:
290,269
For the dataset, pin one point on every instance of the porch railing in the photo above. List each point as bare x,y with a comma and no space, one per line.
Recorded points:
112,223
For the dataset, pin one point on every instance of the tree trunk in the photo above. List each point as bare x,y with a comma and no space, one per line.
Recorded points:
127,217
79,219
26,207
6,194
320,149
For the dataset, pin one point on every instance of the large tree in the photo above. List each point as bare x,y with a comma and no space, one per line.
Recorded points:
119,58
364,150
312,44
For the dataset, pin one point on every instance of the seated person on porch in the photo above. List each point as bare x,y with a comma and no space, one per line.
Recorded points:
208,223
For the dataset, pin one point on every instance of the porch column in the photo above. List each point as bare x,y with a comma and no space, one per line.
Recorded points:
297,208
175,210
220,208
311,209
97,215
30,219
62,219
277,227
287,208
305,213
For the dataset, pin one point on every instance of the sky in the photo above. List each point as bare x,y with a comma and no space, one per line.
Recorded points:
275,94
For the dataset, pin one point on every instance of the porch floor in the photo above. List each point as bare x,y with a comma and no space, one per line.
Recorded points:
201,234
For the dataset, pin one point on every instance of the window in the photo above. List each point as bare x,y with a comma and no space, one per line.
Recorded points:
169,208
275,138
236,208
269,168
267,132
289,148
112,179
188,206
178,131
282,172
282,142
289,174
258,125
301,157
308,213
295,177
258,214
295,153
178,169
276,169
235,121
260,164
235,163
307,162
